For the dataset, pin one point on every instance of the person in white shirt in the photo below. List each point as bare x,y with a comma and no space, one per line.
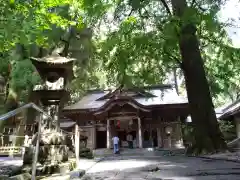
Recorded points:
130,141
115,140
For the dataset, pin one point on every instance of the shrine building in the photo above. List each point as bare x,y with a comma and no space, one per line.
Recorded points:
153,115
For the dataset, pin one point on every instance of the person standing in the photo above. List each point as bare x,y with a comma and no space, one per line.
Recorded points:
115,140
130,141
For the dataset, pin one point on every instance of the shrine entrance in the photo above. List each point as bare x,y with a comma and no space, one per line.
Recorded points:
122,135
101,141
122,127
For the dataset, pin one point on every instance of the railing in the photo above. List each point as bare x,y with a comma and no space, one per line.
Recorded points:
20,109
11,150
234,142
17,111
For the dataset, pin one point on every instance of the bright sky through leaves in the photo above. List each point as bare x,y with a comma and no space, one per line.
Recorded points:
231,12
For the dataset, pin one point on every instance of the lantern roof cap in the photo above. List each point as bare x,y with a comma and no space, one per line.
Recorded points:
54,59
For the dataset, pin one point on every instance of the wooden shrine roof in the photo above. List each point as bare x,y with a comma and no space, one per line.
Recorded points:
231,110
144,97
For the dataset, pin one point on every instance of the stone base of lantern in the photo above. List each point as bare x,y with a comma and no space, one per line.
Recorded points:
52,148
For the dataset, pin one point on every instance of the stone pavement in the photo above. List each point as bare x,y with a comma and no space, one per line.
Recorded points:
86,164
8,164
231,156
162,168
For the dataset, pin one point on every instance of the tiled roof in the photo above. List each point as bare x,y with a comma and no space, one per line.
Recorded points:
231,110
163,96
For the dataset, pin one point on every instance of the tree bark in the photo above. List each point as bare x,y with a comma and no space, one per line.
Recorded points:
208,137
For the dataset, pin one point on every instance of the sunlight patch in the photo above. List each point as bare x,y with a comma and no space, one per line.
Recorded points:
119,165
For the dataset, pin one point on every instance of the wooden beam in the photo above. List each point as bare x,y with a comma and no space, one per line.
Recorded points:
123,118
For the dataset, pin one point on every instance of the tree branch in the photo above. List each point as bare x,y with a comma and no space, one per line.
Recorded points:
178,61
231,96
175,59
192,3
166,6
130,12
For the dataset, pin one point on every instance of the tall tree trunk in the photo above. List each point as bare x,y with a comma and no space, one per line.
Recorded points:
208,137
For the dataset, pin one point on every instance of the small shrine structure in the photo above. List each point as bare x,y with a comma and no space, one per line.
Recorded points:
232,113
152,114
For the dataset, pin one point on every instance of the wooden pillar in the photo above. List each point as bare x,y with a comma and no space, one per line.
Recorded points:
94,136
108,135
159,138
140,133
77,142
150,135
169,141
179,130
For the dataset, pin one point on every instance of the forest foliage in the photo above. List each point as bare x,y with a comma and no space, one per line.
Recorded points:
134,42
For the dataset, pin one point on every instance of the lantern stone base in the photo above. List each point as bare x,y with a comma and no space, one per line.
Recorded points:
52,150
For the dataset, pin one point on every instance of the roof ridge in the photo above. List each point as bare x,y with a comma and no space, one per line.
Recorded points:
156,86
230,105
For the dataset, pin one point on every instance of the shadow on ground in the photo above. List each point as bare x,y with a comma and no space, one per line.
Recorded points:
163,168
